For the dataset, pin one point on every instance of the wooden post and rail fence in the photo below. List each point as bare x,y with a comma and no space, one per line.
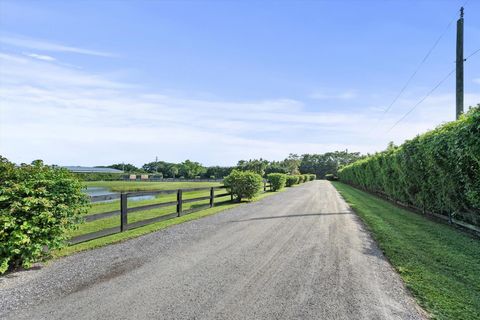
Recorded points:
125,210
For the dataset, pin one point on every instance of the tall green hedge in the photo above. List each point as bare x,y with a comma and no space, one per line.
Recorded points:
438,171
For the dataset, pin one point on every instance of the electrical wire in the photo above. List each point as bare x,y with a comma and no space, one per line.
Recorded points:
423,99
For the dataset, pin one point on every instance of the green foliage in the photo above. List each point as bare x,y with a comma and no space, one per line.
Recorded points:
301,178
312,177
277,180
438,171
330,177
330,162
244,184
38,205
256,165
291,180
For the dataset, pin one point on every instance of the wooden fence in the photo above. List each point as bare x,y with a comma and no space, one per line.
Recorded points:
124,210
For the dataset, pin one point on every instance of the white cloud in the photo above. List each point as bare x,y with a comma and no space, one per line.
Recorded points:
24,42
332,95
68,116
40,56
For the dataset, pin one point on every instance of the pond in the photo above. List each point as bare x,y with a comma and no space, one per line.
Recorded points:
101,191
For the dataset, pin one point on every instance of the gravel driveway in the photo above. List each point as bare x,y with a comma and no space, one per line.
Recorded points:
299,254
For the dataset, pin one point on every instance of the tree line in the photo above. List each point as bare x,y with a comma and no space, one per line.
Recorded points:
318,164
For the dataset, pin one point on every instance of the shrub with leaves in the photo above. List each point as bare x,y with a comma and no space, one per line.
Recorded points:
277,180
244,184
312,177
438,171
291,180
38,205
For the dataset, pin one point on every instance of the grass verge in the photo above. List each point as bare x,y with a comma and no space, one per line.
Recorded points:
119,237
439,265
119,186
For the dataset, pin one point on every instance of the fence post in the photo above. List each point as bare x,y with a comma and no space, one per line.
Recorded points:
212,196
123,212
179,202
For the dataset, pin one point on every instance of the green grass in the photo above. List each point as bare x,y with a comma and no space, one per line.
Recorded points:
439,265
118,237
101,224
119,186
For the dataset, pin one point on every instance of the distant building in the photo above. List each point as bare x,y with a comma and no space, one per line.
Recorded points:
78,169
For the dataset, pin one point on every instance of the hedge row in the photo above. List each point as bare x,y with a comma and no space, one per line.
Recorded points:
438,171
280,180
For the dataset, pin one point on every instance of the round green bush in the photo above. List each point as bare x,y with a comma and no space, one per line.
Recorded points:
277,180
244,184
291,180
313,177
38,205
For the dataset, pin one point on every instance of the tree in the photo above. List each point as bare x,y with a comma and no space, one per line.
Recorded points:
190,169
292,163
255,165
330,162
173,171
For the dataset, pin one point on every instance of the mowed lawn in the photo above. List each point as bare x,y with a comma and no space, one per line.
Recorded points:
439,264
119,186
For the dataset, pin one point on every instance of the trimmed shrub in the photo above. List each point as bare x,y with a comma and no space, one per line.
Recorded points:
306,177
277,180
438,171
313,177
38,205
301,178
244,184
291,180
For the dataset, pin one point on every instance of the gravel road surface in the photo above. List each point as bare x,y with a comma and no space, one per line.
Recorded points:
299,254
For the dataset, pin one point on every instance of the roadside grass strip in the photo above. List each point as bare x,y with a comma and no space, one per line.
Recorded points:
439,264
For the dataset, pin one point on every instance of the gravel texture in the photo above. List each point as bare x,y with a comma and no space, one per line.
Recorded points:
299,254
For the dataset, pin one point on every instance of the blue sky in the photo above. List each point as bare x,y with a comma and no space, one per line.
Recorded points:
100,82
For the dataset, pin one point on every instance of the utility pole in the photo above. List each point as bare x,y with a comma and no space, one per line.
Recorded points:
459,66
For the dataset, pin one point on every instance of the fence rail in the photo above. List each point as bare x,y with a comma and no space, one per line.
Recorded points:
125,210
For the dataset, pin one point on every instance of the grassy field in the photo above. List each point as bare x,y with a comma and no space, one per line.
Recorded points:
119,186
439,265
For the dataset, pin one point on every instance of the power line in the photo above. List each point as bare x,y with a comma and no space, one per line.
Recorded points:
420,66
423,99
472,54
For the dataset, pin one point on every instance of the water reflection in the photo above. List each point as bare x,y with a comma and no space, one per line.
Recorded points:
101,191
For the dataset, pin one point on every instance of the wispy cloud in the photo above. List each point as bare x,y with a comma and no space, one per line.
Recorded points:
333,95
24,42
40,56
70,116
